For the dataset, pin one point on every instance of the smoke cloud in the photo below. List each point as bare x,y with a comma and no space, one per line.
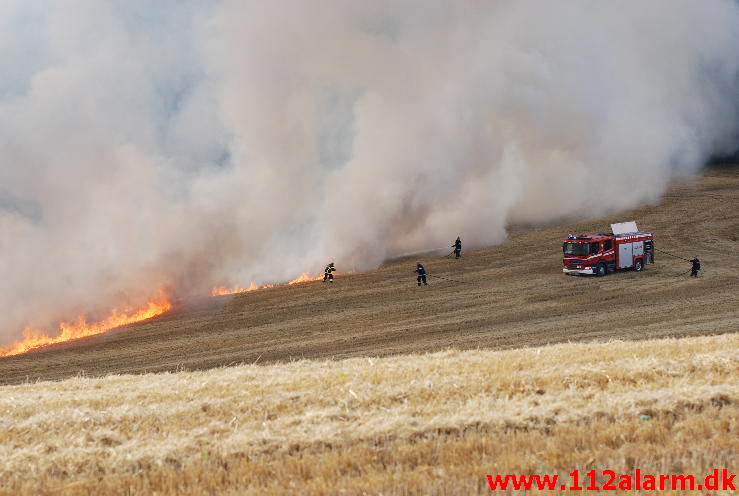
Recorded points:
189,144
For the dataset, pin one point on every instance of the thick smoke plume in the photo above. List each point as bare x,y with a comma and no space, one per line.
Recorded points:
188,144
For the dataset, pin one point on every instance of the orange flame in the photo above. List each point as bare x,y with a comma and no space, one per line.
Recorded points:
80,328
304,277
223,290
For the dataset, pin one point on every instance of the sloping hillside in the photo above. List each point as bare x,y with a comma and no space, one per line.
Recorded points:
511,295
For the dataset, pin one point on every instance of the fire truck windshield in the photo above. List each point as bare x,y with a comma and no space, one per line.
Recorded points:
575,248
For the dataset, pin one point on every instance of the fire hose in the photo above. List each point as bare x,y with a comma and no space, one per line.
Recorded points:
447,279
670,254
683,273
679,258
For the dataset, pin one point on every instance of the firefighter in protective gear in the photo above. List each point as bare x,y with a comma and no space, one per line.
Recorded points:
327,273
457,248
695,268
421,274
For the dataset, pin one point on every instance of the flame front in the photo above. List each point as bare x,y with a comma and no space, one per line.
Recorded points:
80,328
223,290
304,277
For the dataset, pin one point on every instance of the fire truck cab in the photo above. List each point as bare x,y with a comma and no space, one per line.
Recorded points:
599,254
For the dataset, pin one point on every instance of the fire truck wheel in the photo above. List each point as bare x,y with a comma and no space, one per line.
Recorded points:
638,265
600,270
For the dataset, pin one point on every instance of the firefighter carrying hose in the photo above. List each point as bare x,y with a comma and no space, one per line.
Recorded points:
328,273
457,248
695,268
421,274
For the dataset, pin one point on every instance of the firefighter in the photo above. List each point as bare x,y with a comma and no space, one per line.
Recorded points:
327,273
695,268
457,248
421,274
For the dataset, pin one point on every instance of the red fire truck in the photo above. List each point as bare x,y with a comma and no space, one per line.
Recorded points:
598,254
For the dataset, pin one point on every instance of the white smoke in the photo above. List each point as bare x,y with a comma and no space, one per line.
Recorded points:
196,143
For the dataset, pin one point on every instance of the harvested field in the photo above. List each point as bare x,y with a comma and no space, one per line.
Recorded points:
514,295
417,424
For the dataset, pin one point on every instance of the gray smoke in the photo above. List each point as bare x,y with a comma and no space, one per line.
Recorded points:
189,144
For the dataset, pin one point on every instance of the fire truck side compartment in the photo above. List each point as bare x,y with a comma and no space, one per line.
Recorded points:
638,248
625,255
649,252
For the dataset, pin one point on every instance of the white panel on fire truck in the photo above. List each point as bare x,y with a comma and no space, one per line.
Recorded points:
624,227
625,255
638,248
